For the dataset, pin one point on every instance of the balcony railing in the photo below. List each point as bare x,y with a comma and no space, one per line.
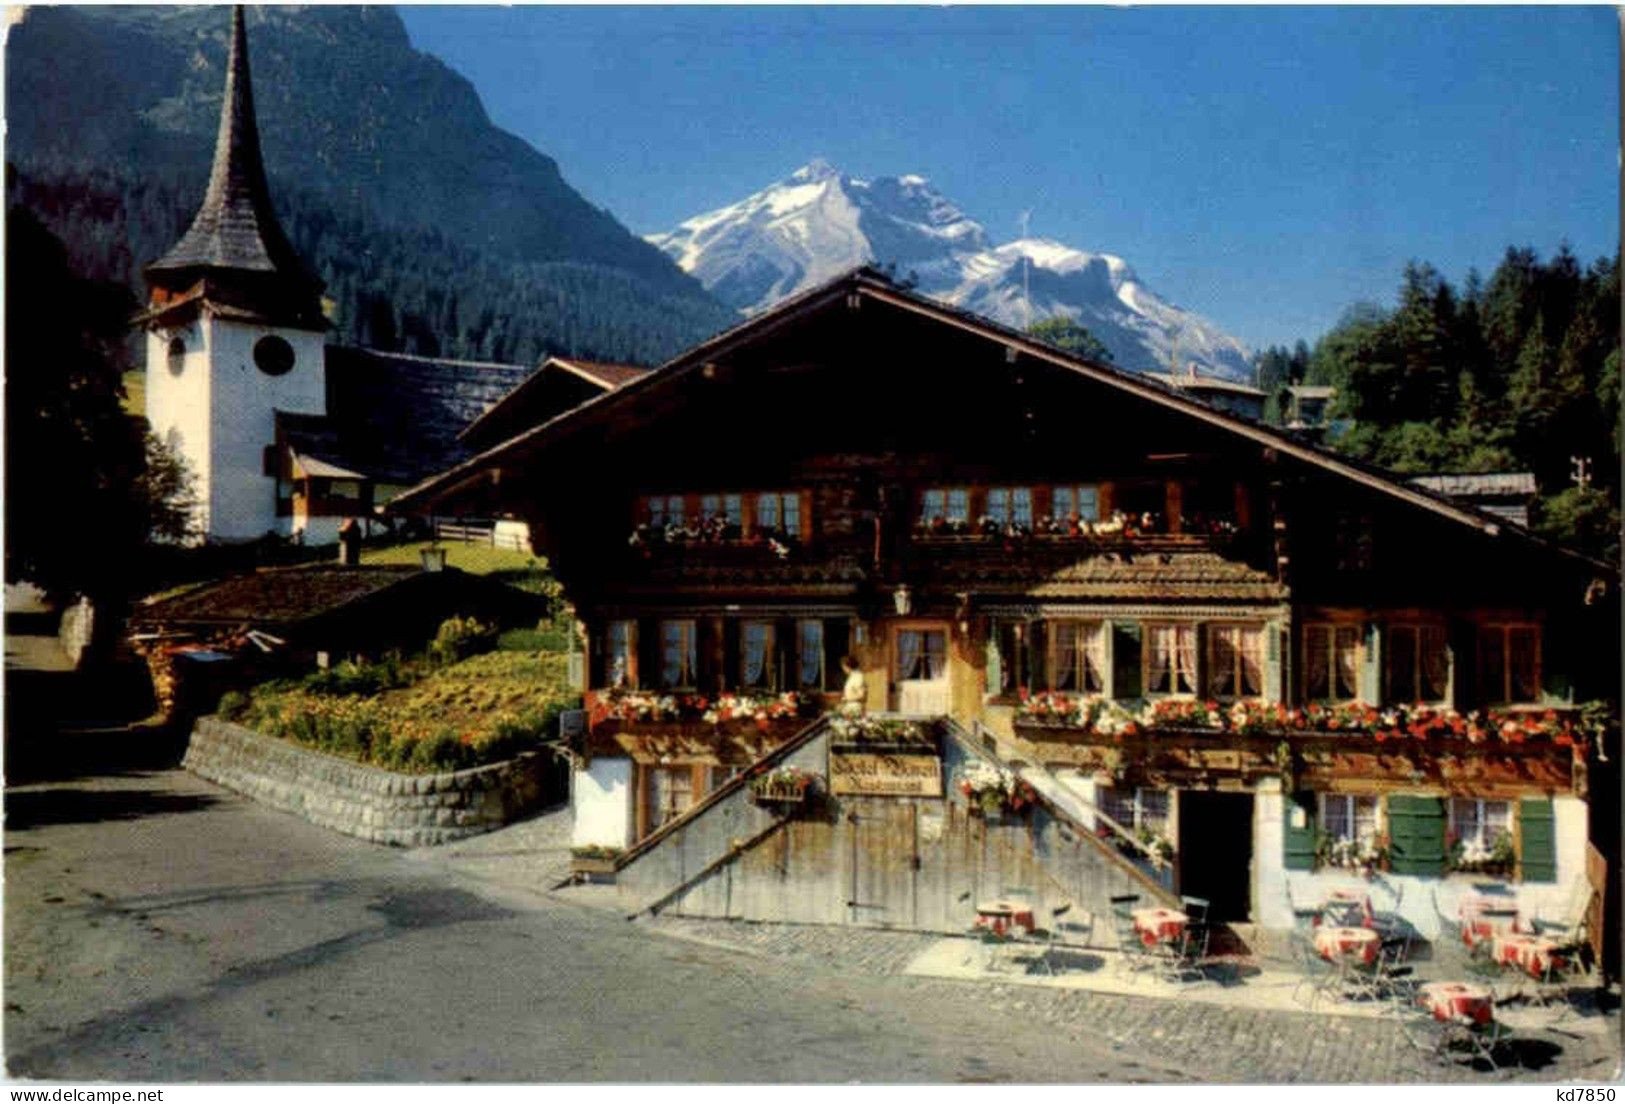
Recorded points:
1184,740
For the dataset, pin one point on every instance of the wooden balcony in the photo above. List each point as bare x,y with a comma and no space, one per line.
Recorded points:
1180,757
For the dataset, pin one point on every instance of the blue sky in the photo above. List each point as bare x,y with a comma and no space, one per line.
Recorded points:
1266,167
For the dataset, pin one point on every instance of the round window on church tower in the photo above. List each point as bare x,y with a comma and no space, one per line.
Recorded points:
177,355
273,355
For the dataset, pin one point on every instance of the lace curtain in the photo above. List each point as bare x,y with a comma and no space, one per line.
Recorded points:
1348,663
908,655
1435,663
755,648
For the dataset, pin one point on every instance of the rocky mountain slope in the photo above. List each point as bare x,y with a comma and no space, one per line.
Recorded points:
384,165
820,221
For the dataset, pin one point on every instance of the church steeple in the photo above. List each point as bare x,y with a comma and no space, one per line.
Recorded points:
235,253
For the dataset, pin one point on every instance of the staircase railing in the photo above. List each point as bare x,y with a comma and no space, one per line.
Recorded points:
1056,796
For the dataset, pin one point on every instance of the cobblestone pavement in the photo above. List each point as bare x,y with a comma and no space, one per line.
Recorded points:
1227,1044
161,929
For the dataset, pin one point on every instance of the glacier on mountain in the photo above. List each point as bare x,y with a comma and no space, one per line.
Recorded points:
820,222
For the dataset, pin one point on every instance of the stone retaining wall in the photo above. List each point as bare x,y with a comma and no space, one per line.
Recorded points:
407,810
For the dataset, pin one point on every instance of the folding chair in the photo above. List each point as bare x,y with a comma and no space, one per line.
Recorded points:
1136,956
1480,962
1189,957
1317,976
1063,922
1196,909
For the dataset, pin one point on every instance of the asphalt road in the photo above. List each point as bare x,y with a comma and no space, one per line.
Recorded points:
159,928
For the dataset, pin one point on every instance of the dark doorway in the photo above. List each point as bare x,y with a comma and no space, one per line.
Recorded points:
1216,850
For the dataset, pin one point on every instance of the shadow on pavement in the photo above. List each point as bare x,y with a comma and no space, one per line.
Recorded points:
74,806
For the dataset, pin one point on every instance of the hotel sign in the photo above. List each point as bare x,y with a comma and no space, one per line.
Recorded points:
894,774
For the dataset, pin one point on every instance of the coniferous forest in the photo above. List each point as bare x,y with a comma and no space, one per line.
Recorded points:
1516,373
389,287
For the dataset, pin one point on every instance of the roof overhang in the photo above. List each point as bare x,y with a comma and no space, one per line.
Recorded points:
867,285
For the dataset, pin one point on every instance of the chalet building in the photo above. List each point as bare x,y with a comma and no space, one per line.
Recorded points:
283,432
1259,668
1504,494
1241,399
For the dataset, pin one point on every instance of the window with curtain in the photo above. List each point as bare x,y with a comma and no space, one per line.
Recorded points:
679,655
1416,664
620,640
921,654
1350,817
1008,641
756,655
1080,501
1077,656
779,510
1170,659
1235,661
809,655
1331,662
1509,662
1010,505
933,505
958,504
1478,823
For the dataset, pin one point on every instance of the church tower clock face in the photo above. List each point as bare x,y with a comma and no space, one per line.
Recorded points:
273,355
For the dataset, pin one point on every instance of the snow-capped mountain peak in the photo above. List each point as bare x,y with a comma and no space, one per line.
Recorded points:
820,222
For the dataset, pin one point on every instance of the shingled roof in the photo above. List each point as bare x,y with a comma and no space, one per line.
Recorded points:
273,596
393,417
541,397
235,251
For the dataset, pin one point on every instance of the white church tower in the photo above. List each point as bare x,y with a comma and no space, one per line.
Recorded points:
235,331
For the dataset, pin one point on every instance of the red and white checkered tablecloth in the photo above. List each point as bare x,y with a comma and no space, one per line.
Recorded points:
1336,943
1485,917
1450,999
1530,953
1159,924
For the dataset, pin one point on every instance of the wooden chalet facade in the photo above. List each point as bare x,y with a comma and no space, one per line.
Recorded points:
1170,610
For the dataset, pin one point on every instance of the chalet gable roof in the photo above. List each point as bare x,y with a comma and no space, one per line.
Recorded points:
867,284
602,375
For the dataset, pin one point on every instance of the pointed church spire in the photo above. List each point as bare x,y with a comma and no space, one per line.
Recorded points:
235,245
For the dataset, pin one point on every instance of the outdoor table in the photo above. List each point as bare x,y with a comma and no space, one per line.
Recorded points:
1532,954
1347,944
1448,1000
999,914
1483,917
1348,908
1159,925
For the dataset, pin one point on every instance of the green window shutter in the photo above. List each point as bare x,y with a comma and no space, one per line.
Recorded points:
1416,829
1537,858
1126,660
1298,844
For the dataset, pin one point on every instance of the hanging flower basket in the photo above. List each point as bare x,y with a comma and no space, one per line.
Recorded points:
784,787
991,792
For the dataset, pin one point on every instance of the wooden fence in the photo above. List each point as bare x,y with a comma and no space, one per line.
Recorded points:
480,532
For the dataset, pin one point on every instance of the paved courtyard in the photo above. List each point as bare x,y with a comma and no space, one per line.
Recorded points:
160,928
